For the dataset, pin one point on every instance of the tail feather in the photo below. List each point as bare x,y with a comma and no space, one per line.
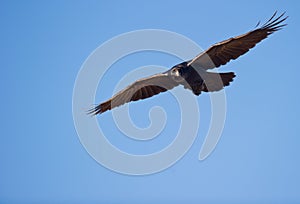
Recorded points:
217,81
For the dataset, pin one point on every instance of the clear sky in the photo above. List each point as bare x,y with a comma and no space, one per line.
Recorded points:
45,43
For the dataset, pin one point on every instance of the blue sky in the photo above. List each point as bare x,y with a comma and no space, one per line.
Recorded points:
43,46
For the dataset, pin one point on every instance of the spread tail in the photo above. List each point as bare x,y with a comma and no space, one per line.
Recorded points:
216,81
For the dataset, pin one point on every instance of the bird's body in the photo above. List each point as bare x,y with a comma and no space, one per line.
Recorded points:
198,80
193,74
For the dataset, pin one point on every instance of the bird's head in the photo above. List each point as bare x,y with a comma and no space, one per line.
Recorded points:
176,74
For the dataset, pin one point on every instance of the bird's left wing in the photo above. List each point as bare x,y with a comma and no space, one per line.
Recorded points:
222,52
141,89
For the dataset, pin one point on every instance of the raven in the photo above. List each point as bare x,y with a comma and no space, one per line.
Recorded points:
193,74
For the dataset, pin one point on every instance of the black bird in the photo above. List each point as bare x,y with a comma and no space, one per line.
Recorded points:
193,74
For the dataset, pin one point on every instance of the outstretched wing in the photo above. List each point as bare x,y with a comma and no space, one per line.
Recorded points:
222,52
141,89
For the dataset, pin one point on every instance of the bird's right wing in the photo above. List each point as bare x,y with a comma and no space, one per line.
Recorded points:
141,89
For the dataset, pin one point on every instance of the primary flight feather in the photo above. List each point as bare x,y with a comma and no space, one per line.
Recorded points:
193,74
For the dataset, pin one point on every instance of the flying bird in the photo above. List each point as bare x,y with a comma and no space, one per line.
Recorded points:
193,74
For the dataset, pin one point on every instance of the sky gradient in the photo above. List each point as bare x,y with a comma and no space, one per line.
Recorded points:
43,46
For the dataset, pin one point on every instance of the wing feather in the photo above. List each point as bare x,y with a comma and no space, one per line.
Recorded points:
141,89
230,49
